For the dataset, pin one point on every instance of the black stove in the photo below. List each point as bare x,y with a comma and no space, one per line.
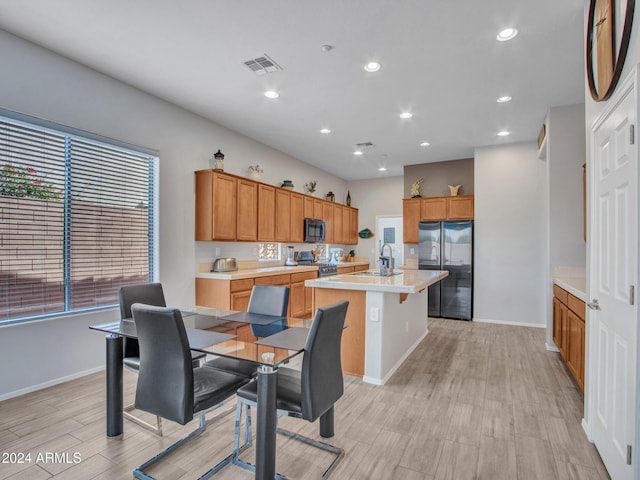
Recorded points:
324,269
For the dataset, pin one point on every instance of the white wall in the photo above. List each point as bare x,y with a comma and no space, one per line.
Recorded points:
42,84
509,235
380,196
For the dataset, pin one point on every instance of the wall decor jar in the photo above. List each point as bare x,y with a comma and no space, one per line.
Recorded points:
288,184
218,161
331,197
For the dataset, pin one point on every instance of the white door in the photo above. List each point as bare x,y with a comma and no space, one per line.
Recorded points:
613,277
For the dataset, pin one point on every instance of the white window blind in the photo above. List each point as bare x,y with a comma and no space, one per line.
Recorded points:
76,221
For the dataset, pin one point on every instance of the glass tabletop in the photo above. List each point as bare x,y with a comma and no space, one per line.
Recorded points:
260,339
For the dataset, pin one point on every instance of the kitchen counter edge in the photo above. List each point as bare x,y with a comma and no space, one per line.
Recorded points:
268,271
576,286
407,282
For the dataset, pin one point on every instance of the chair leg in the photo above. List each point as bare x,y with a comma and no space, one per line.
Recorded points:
326,426
157,429
202,425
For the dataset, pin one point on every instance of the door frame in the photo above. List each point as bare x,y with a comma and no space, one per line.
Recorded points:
631,84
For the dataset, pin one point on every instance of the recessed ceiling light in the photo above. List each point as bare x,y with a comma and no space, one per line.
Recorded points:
504,133
507,34
504,99
325,130
271,94
382,169
372,67
425,144
406,115
358,152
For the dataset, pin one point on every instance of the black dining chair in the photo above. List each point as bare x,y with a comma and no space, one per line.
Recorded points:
148,294
310,393
264,300
168,385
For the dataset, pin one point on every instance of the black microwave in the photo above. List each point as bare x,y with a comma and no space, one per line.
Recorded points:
314,230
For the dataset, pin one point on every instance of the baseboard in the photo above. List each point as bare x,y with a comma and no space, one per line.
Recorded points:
50,383
587,430
515,324
377,381
551,348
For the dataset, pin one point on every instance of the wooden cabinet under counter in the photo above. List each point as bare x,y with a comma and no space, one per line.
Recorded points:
569,331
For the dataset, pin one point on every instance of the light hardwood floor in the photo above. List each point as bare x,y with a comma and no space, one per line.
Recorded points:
473,401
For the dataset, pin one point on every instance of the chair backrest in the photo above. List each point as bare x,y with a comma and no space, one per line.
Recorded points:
149,294
322,382
269,300
165,380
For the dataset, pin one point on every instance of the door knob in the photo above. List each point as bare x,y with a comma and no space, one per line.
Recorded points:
594,305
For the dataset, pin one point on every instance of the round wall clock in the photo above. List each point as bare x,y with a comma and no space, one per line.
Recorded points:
604,64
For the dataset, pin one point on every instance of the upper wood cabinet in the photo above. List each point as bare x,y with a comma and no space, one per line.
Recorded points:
266,213
327,217
433,208
283,215
215,206
247,216
297,217
233,208
460,207
410,219
337,224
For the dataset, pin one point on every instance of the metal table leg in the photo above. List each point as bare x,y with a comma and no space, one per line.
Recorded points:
266,423
114,385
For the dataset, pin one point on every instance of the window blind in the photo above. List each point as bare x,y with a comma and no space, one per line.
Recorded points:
76,221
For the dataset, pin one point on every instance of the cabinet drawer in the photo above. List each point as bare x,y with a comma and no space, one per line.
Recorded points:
240,285
302,276
359,268
577,305
274,280
343,270
560,294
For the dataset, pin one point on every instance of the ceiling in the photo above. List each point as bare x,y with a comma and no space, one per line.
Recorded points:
440,60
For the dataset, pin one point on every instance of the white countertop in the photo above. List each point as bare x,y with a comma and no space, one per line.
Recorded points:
409,281
576,286
571,279
268,271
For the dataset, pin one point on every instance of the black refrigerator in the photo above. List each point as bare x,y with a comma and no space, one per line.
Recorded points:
448,246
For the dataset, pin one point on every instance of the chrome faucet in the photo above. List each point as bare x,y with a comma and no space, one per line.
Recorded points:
386,263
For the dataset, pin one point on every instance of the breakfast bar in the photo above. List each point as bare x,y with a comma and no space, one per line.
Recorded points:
387,317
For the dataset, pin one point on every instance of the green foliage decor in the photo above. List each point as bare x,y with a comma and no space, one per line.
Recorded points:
17,181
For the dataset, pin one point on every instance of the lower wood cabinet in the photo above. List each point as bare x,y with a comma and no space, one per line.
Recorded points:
569,331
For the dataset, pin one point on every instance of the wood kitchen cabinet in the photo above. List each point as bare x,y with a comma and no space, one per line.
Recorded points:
337,224
233,208
266,213
297,218
301,297
283,215
410,219
327,217
460,207
247,214
569,331
215,206
432,209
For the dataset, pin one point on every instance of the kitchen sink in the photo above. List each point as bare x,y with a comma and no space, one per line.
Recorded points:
374,273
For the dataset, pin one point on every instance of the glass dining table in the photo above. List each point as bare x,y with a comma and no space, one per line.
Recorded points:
263,340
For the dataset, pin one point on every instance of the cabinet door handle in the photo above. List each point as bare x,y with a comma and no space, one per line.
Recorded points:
594,305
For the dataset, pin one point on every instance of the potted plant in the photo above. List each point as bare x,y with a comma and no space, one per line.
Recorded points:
255,171
310,187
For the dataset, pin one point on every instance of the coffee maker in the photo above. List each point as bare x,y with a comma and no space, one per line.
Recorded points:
291,260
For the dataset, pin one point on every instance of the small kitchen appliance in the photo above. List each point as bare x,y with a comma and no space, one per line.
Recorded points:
291,258
224,265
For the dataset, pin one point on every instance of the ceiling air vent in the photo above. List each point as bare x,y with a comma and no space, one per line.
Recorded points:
262,65
364,144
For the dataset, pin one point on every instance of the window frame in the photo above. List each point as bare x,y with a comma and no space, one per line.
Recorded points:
153,225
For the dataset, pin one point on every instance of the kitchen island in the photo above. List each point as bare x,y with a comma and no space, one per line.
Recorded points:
386,319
